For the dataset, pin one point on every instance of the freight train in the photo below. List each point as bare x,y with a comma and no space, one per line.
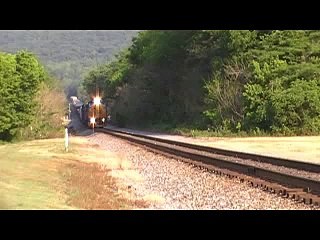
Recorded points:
93,114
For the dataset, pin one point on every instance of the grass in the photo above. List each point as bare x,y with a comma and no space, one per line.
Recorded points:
189,132
192,131
217,133
300,148
40,175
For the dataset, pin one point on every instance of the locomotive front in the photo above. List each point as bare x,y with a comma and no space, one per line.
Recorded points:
97,114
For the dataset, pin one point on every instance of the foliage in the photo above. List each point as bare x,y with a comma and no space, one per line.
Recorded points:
22,80
232,81
68,55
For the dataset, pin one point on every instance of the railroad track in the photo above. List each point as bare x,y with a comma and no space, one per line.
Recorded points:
224,162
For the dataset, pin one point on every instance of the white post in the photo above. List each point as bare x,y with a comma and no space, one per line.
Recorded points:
66,139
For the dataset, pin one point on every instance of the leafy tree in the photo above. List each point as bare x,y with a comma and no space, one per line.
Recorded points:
21,76
232,80
9,82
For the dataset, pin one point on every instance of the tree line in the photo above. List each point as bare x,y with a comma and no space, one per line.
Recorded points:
67,54
229,81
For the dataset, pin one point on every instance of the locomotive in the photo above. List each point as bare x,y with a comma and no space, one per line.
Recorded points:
94,113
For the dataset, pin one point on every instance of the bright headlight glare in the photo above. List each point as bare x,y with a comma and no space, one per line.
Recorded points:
103,119
96,100
92,120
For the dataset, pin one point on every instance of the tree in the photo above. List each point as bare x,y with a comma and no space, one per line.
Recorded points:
21,76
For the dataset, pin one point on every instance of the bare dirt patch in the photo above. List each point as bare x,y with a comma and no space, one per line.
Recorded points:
90,187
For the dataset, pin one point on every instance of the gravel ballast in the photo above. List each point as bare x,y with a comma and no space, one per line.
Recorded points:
171,184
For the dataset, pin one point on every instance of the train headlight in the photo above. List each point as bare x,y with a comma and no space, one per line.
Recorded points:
92,120
103,119
96,101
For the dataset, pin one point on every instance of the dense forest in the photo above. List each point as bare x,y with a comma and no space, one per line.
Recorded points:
32,103
221,81
67,54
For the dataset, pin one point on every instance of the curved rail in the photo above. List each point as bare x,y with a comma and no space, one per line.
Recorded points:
311,167
187,151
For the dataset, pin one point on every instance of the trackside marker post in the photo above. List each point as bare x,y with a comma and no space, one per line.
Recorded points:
66,139
65,122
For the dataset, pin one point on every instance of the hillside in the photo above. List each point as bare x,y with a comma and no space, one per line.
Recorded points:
68,54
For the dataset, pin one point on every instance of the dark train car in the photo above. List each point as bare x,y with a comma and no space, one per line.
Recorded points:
94,113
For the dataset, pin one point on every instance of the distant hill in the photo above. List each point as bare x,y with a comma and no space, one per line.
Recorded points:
68,54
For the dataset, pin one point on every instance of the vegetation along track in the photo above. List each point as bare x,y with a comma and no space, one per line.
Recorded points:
300,188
